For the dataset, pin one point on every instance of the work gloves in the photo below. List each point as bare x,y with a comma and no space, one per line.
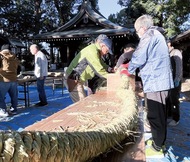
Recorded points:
124,69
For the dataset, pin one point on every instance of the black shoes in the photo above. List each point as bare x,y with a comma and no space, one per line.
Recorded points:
12,111
41,104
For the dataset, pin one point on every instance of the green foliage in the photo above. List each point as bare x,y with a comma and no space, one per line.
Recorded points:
20,18
17,18
169,14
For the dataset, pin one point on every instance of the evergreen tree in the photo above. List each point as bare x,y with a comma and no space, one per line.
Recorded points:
19,18
169,14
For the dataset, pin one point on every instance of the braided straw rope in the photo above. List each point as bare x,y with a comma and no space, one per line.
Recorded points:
81,145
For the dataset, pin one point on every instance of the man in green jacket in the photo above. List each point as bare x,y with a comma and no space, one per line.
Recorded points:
86,64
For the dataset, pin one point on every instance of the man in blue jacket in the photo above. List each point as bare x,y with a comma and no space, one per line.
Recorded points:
152,58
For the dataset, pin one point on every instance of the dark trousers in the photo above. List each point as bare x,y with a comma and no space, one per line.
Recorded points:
157,116
173,104
41,90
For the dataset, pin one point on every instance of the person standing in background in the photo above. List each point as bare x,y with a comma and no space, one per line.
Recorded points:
128,50
152,58
8,80
41,72
174,94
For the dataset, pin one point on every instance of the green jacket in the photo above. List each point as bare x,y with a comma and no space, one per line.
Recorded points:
86,64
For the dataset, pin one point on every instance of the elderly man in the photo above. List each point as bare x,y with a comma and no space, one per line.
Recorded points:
86,64
152,58
41,72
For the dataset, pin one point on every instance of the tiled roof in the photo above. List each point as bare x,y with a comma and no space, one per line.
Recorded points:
86,23
183,36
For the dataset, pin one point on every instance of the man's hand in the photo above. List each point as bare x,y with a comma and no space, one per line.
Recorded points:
115,69
41,78
110,70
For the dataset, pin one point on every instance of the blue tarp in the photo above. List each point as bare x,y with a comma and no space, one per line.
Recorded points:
178,137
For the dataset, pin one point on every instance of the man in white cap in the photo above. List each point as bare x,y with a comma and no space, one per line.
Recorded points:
86,64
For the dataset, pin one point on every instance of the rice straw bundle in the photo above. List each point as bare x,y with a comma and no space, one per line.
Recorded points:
83,143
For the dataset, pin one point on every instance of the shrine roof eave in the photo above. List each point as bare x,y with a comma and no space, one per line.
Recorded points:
87,11
182,37
83,33
16,42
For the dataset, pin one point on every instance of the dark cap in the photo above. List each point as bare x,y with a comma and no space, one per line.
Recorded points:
129,45
101,36
168,41
5,47
108,43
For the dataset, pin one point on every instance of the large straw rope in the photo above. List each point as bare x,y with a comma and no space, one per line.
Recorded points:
81,145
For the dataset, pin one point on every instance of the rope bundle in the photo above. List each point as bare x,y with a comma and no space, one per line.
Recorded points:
81,145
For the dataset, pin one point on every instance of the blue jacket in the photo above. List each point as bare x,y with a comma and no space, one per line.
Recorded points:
153,60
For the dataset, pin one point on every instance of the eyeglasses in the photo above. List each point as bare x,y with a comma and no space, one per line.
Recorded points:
137,31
